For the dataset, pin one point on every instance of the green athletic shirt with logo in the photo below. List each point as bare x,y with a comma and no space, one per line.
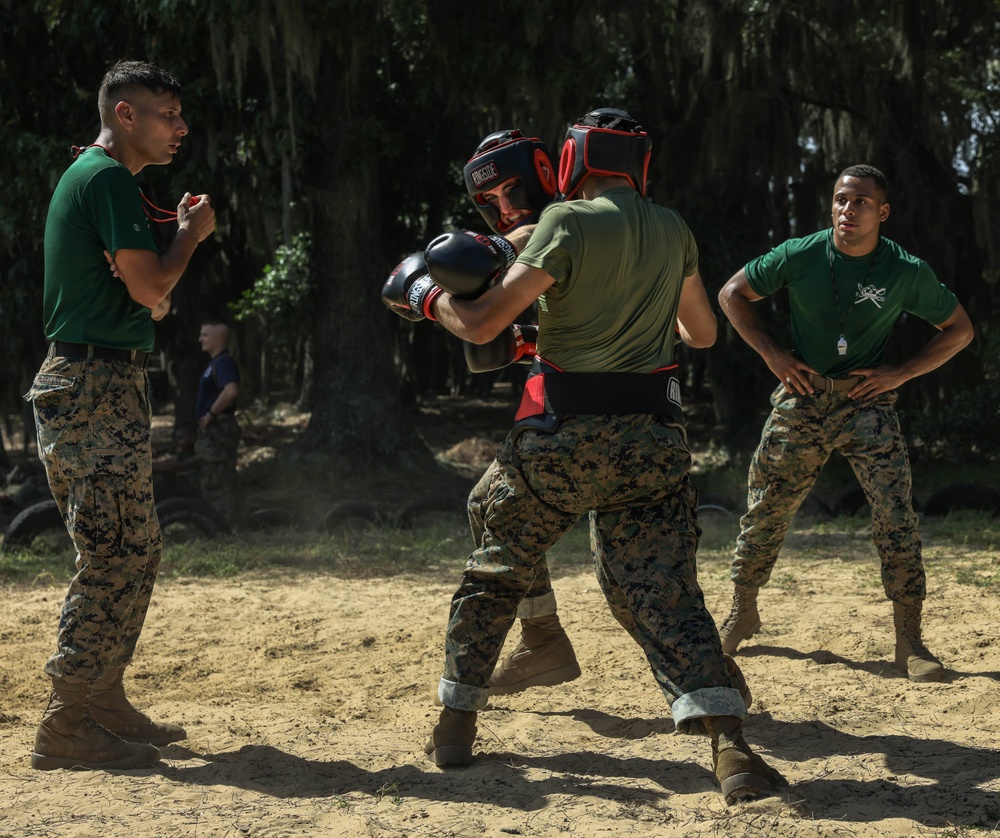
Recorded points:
95,207
619,263
871,298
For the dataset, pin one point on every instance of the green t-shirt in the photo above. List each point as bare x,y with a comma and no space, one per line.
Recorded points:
618,263
96,207
871,293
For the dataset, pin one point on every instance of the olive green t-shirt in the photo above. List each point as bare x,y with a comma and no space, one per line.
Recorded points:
95,207
619,263
871,293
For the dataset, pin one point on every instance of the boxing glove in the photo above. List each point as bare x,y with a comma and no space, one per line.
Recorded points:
515,344
525,343
409,291
464,263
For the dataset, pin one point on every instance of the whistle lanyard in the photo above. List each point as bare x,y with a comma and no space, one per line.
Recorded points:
164,217
842,318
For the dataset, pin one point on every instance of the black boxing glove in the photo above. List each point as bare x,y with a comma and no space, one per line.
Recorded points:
515,344
409,291
464,263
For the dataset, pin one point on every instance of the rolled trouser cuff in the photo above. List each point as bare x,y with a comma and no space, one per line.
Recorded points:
537,606
463,696
711,701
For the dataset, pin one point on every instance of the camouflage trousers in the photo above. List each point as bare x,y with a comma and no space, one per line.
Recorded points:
216,448
93,424
631,474
797,440
540,600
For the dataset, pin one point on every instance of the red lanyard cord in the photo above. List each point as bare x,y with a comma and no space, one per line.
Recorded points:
166,216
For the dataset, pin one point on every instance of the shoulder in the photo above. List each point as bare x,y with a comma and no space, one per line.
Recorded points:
897,253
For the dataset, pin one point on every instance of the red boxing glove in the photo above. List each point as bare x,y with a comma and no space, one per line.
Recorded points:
525,343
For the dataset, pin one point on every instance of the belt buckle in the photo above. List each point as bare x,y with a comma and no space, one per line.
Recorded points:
828,384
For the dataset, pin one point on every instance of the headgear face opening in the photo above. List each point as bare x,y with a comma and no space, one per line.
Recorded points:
498,158
605,142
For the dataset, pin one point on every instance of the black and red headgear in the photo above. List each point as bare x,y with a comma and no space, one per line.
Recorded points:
605,142
501,156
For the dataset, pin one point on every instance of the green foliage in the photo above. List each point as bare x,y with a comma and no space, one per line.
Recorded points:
282,296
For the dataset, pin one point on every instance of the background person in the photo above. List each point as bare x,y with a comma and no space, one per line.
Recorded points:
92,413
847,285
219,433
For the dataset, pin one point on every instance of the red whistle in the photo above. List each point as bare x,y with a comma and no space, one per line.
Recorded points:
194,200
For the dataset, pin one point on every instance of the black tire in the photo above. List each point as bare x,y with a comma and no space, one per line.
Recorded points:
263,519
715,509
350,512
31,522
192,512
972,496
425,509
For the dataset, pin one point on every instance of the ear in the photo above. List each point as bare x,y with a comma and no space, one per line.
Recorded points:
126,115
883,213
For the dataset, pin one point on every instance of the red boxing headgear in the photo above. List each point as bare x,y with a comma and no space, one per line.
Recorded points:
605,142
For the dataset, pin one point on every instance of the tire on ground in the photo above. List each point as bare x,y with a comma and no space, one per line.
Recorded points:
262,519
425,509
36,519
193,512
972,496
349,512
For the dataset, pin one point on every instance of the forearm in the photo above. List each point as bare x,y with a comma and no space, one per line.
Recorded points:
740,312
475,321
225,399
937,351
149,276
173,263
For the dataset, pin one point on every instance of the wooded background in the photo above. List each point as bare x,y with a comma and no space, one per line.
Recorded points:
331,137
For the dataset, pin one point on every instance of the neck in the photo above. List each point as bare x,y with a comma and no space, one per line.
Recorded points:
859,247
118,150
595,186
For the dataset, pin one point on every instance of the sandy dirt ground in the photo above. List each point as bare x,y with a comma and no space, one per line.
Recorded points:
307,701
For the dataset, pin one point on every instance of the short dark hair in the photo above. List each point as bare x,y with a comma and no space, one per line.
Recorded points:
864,170
126,76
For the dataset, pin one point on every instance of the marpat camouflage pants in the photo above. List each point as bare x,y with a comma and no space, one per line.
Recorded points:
93,424
216,446
797,440
540,600
631,473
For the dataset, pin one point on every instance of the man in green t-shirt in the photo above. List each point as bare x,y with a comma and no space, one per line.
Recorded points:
92,413
846,288
599,431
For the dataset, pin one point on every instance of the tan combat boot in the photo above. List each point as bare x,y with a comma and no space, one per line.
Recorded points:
68,736
543,657
912,657
743,620
452,738
111,709
741,773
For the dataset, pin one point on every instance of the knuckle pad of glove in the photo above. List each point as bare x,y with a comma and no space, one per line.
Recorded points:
464,263
396,289
493,355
